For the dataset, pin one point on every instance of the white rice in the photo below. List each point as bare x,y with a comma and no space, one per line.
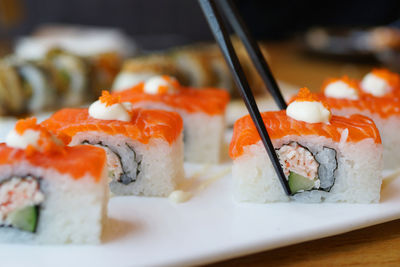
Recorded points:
389,130
203,133
73,210
358,177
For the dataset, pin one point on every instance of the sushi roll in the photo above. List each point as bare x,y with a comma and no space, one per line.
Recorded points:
38,91
137,70
202,111
377,97
70,74
323,156
12,95
218,66
199,66
144,147
50,193
196,65
60,79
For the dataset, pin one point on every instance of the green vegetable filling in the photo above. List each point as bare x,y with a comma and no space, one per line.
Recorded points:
25,218
298,182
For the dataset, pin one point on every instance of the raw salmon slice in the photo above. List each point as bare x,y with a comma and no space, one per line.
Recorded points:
279,125
207,100
145,124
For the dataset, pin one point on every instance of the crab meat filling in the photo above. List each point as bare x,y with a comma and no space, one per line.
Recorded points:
305,170
19,201
296,158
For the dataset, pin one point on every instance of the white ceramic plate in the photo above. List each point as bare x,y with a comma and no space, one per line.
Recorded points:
209,227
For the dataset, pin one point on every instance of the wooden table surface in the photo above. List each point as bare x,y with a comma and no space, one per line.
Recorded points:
373,246
289,63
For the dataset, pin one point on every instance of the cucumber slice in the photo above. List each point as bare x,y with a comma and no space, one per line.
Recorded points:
24,219
298,182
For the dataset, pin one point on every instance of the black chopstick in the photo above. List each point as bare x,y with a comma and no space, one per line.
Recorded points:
214,20
254,51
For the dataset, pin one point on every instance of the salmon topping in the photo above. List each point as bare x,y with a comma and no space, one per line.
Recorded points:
279,125
76,161
144,124
385,107
50,152
47,143
208,100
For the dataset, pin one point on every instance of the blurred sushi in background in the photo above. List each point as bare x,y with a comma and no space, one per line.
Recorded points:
376,96
58,80
83,41
375,44
12,96
68,66
70,74
60,66
198,66
139,69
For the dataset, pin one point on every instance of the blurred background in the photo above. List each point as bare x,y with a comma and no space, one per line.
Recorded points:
304,42
176,22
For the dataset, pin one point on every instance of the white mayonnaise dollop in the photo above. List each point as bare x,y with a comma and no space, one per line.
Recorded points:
29,137
118,111
179,196
126,80
341,89
375,85
308,111
153,85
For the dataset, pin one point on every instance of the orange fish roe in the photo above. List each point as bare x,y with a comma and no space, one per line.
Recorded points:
279,125
393,79
76,161
208,100
352,83
108,99
47,143
30,123
305,95
144,125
